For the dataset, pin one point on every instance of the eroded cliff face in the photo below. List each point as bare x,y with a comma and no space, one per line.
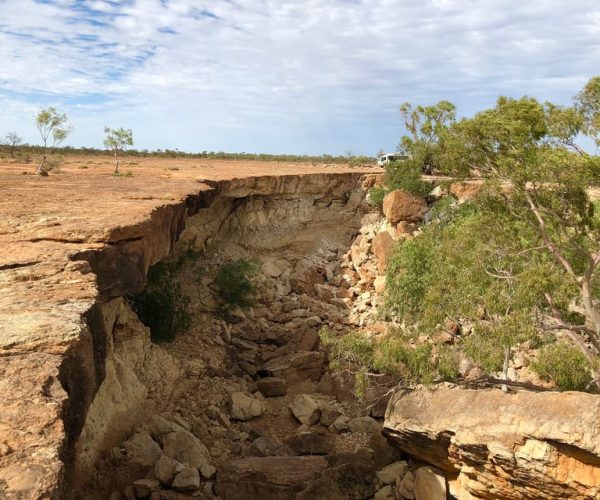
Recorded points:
76,365
497,445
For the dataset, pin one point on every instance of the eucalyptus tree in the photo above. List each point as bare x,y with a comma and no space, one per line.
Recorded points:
117,140
54,128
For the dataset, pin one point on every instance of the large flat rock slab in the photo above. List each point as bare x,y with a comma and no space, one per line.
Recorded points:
502,445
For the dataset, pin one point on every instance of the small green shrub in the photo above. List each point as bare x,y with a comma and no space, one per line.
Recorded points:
406,174
376,196
565,365
162,306
349,350
235,282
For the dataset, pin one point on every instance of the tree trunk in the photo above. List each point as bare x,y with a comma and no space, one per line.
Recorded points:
40,170
116,164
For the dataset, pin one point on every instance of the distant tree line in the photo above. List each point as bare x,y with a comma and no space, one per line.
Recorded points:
54,128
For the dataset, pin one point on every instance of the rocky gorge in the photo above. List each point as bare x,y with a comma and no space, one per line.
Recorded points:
244,405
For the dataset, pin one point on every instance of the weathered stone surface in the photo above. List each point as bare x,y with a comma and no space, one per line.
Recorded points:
311,443
272,387
279,478
400,205
305,409
166,468
186,448
382,247
329,416
187,480
364,425
295,367
142,449
430,484
503,445
392,473
244,408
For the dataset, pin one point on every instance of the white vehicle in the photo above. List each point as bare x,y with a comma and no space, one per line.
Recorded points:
383,160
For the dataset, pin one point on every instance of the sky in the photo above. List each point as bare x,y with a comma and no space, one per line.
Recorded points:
281,76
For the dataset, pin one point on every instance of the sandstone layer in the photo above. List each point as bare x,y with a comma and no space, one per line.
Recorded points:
496,445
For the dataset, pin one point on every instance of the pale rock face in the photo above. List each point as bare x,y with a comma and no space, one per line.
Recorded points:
430,484
186,448
541,445
305,409
142,449
400,205
244,408
393,472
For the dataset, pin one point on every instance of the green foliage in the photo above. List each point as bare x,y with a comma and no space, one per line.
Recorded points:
376,196
565,365
426,126
235,282
406,174
588,104
52,125
162,306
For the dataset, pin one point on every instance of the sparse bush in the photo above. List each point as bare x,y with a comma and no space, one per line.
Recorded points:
235,282
565,365
376,196
406,174
162,306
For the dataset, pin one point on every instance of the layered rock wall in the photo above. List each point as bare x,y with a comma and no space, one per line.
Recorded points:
69,369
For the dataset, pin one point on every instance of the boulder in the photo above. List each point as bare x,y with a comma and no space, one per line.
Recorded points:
305,409
142,449
400,205
364,425
187,480
244,408
186,448
311,443
380,284
166,468
279,478
406,487
392,473
517,445
329,416
272,387
385,493
382,247
295,367
430,484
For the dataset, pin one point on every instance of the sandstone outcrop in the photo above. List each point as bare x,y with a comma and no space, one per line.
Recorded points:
495,445
400,205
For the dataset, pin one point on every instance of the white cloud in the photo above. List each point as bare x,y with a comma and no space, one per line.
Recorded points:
287,75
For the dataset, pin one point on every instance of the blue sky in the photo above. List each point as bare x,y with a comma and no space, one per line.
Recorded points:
281,76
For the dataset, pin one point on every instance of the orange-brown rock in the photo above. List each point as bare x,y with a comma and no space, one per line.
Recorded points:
382,247
496,445
466,190
400,205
